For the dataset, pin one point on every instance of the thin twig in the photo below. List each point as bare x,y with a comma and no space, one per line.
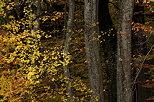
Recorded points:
142,64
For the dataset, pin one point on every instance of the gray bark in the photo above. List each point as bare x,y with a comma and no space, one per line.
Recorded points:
36,28
124,80
38,12
92,48
69,34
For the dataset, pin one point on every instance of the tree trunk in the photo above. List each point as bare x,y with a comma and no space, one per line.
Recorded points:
38,12
35,28
92,48
124,80
69,34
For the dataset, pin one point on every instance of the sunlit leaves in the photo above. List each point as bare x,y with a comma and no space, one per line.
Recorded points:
28,67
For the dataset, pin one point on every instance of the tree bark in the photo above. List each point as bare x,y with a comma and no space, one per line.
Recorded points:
124,80
92,48
69,34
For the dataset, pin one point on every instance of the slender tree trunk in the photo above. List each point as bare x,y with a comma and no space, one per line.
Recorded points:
35,28
38,12
92,48
124,80
69,34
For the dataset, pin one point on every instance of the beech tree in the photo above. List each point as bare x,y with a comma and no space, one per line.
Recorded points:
124,80
69,33
92,47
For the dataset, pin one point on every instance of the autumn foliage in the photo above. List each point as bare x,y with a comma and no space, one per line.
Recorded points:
32,59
